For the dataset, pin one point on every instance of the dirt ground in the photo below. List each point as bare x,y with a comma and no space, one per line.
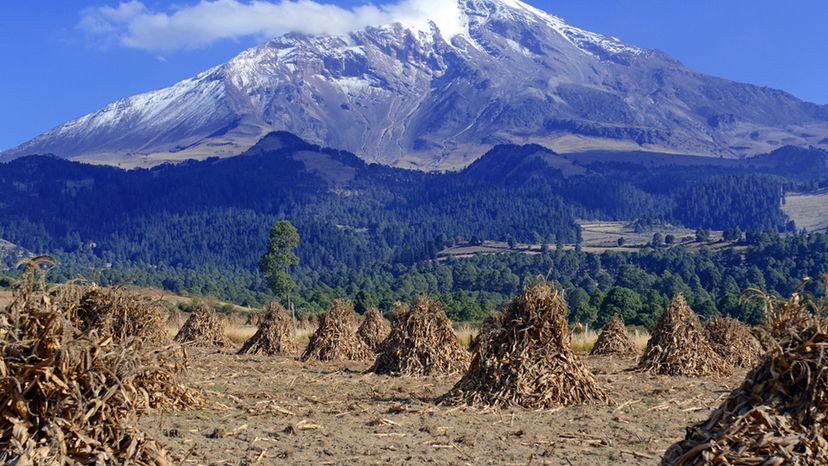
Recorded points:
277,410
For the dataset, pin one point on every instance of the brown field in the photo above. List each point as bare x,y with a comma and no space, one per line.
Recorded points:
598,237
809,211
264,410
278,410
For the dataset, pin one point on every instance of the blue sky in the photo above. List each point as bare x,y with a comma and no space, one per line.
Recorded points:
60,62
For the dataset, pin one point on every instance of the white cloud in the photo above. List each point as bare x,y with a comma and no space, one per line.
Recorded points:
132,24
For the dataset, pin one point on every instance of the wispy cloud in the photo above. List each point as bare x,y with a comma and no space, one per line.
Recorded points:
132,24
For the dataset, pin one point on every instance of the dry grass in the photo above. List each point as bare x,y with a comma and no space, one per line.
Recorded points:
583,342
808,210
466,333
238,334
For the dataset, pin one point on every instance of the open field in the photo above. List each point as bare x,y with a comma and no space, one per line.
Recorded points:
809,211
598,237
161,295
253,409
582,341
277,410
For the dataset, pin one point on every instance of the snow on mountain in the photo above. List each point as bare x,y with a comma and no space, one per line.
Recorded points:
437,95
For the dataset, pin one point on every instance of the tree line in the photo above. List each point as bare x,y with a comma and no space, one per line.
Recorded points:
201,227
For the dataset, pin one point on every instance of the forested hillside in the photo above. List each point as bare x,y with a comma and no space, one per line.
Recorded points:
201,226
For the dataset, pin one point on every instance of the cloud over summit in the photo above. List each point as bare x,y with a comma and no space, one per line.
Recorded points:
132,24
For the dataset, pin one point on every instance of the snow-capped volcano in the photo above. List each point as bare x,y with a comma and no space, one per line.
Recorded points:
437,94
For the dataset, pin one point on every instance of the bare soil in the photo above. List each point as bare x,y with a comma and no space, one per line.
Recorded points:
277,410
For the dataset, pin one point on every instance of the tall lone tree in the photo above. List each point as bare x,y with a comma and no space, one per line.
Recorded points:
276,262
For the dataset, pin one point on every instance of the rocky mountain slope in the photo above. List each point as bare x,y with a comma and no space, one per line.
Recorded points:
416,97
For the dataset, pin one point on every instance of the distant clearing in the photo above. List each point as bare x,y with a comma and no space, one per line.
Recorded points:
598,237
808,210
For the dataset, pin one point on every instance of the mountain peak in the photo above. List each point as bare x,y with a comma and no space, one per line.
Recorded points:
483,11
438,93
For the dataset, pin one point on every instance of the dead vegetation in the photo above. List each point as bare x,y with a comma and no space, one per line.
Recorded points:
73,397
76,375
374,329
335,339
614,340
308,322
779,415
203,328
399,309
679,346
120,314
253,319
765,339
733,341
421,343
782,316
488,329
274,336
528,362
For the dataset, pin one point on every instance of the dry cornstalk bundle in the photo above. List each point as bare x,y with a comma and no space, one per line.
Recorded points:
781,315
488,329
679,346
422,342
335,339
159,381
253,319
374,329
529,361
397,310
733,341
119,314
765,339
72,397
72,291
203,328
274,336
308,322
614,340
778,416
